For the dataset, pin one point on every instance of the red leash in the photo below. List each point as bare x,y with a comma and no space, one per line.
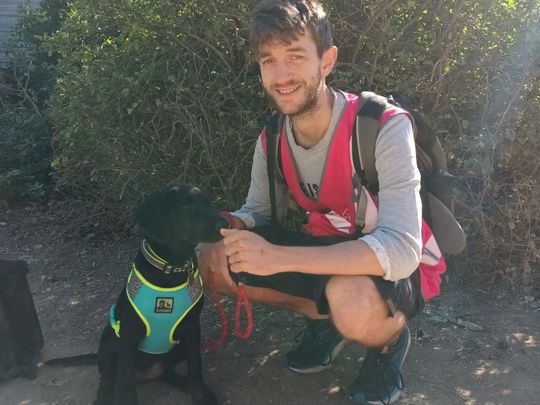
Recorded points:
242,300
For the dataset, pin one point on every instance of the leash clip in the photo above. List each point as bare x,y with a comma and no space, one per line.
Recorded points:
190,273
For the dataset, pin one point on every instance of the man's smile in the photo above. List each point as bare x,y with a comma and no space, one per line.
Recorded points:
285,91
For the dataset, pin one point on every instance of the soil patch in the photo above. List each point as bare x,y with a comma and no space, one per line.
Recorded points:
471,346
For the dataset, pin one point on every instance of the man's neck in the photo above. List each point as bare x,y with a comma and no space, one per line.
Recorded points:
310,128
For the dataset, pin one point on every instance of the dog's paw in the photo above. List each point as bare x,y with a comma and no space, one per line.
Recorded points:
104,397
128,398
204,396
176,380
125,401
102,402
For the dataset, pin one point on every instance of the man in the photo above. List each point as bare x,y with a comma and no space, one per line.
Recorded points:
361,290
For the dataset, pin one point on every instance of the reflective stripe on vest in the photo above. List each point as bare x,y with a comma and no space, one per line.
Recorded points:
335,212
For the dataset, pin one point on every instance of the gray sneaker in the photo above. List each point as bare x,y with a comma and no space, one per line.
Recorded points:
379,380
319,344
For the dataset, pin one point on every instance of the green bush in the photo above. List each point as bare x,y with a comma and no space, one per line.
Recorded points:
154,92
474,69
151,92
25,86
24,163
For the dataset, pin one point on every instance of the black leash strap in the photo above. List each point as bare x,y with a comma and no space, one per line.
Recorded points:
272,143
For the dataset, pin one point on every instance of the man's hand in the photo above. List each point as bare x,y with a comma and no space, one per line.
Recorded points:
211,258
249,252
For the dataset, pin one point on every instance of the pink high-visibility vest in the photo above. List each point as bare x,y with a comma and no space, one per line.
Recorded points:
334,213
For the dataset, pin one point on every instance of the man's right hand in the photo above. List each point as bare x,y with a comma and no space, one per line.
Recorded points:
212,259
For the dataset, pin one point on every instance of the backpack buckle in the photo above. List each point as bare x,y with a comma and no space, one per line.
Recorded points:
356,187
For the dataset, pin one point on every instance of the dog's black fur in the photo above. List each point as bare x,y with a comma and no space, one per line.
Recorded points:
173,221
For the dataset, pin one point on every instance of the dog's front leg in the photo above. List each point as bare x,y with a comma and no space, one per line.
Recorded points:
125,392
199,391
107,366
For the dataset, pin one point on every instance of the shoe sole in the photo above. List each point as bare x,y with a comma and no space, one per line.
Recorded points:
395,396
339,347
391,400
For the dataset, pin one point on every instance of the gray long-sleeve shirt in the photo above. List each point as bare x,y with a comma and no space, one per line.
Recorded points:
396,240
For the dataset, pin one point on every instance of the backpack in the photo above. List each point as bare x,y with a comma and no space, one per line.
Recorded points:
436,182
20,332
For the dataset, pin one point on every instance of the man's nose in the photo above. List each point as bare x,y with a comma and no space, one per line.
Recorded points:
283,73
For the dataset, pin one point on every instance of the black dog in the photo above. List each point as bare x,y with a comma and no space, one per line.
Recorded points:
173,221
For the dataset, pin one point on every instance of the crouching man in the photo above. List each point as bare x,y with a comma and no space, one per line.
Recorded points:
363,289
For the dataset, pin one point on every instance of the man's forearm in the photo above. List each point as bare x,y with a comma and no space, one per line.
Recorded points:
346,258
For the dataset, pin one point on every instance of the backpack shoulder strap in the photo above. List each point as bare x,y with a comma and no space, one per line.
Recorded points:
366,129
273,132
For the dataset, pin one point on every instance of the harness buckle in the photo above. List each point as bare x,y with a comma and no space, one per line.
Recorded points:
167,268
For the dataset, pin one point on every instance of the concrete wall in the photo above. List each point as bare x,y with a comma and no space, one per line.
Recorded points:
8,17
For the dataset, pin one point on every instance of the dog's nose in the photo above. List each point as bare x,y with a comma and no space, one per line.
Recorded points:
222,223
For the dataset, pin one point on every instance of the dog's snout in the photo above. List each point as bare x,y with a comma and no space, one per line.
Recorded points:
222,223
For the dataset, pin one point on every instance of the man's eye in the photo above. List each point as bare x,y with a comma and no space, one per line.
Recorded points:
267,61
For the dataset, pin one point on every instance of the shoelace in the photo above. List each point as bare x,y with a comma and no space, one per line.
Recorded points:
377,373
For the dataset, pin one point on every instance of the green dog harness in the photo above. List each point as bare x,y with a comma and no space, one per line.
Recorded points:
160,309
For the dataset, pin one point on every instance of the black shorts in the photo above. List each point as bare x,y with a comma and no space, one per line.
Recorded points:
403,295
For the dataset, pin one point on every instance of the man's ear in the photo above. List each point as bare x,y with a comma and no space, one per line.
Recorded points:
328,60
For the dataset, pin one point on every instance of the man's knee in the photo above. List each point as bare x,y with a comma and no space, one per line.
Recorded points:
356,307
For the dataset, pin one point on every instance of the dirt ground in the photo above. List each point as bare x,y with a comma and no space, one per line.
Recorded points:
477,346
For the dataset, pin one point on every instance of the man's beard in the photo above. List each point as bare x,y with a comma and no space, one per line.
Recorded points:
308,105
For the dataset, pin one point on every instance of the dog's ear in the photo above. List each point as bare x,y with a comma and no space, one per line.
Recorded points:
178,215
150,216
155,214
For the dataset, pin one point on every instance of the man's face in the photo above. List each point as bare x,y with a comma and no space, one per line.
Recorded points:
291,74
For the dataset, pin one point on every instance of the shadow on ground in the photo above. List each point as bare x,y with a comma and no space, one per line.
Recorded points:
472,347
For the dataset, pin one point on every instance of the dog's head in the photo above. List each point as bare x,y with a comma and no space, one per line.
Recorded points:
178,216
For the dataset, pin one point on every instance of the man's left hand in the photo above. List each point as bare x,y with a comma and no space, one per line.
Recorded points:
248,252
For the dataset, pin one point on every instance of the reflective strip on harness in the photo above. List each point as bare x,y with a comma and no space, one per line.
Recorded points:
160,309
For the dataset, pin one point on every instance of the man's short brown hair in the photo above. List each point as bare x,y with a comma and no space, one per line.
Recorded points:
284,20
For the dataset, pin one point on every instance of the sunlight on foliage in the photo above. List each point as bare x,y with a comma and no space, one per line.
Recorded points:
152,92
